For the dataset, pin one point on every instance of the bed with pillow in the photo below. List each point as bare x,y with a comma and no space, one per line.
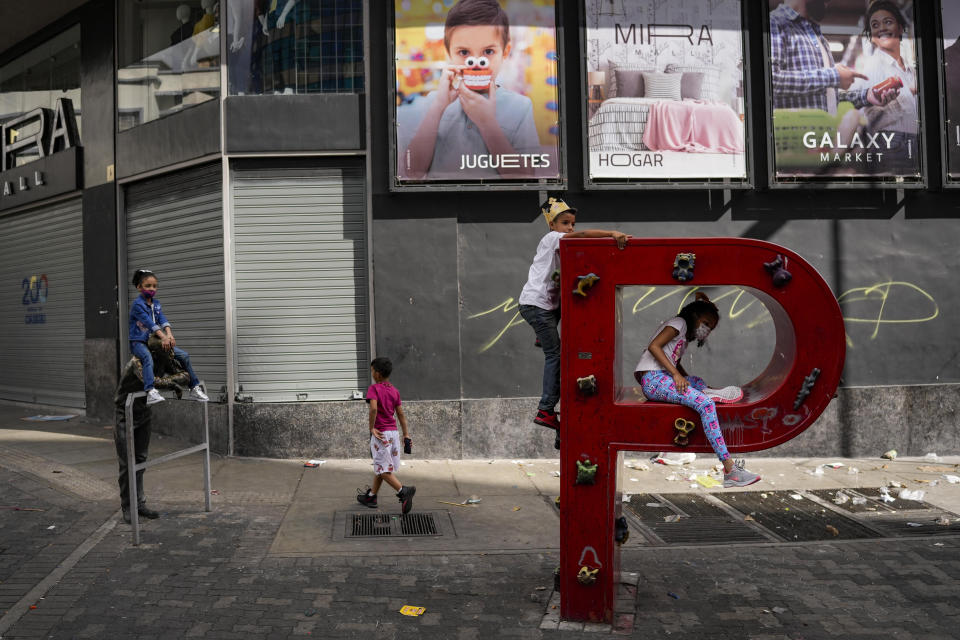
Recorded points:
620,122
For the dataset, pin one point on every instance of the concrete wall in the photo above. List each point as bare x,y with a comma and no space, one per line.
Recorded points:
184,420
861,422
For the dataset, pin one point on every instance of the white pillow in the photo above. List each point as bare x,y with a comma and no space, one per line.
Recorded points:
662,86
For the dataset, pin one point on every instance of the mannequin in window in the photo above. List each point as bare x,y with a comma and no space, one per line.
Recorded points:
264,16
211,9
185,30
281,47
244,78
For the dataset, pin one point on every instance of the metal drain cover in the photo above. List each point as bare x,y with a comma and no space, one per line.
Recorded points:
422,524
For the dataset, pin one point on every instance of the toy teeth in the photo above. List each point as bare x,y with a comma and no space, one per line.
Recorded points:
477,74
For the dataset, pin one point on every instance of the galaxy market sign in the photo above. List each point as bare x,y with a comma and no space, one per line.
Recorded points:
50,137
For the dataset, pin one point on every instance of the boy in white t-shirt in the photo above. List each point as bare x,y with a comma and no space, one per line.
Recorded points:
540,298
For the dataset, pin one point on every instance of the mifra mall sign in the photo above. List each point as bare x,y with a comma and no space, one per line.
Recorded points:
50,137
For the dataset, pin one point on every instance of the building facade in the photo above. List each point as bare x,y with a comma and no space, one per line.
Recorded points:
259,157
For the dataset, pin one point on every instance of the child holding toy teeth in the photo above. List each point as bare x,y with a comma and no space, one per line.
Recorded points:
470,128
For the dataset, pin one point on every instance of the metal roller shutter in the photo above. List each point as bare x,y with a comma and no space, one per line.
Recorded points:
41,318
300,265
174,227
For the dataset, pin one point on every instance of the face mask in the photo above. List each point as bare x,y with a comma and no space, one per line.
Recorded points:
147,293
703,330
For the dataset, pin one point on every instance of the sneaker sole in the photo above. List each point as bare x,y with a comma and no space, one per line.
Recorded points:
153,402
545,424
740,484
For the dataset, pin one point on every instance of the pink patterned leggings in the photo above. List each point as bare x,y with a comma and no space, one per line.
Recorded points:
659,385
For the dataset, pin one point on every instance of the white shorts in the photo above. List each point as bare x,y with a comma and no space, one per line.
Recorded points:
386,455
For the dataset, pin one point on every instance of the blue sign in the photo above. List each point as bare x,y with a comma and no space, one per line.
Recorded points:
35,290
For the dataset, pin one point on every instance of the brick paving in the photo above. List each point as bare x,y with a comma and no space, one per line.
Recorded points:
212,575
209,575
34,543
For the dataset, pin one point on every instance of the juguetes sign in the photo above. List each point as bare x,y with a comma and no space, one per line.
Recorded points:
476,91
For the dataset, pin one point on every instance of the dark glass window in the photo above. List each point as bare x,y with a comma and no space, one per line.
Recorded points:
169,58
295,46
38,79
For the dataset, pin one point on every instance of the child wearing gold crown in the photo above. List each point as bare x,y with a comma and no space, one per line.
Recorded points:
540,298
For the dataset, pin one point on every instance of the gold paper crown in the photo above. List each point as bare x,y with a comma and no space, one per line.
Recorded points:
554,207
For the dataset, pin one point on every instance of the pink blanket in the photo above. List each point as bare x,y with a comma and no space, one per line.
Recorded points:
694,126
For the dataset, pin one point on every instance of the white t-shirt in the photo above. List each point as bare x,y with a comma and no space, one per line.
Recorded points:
900,114
540,289
673,349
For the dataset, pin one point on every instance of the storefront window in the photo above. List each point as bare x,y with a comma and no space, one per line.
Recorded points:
295,46
38,79
169,58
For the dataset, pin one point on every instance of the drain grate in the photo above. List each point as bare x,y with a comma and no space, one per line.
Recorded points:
377,524
692,518
869,504
923,524
796,519
374,525
789,516
418,524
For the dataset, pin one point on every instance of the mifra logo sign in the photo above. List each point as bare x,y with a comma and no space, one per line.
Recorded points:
45,144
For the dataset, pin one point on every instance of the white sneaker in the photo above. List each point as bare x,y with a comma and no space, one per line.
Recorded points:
196,393
153,397
725,395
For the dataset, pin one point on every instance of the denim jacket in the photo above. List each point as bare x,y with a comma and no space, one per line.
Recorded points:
146,319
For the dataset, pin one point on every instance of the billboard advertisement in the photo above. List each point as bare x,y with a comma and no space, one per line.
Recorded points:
950,14
664,89
477,94
843,76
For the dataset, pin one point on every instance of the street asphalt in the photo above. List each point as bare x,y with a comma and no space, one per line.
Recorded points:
279,555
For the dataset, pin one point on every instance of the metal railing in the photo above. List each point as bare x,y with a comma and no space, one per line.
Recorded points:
133,467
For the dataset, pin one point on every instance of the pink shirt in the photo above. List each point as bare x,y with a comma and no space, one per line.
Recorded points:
388,399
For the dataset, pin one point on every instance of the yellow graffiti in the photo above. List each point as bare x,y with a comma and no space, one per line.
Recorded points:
506,306
637,308
881,293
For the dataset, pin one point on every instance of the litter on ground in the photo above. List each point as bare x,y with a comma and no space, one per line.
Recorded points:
674,458
907,494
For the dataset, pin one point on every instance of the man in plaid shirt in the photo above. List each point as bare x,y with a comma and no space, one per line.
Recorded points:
804,74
